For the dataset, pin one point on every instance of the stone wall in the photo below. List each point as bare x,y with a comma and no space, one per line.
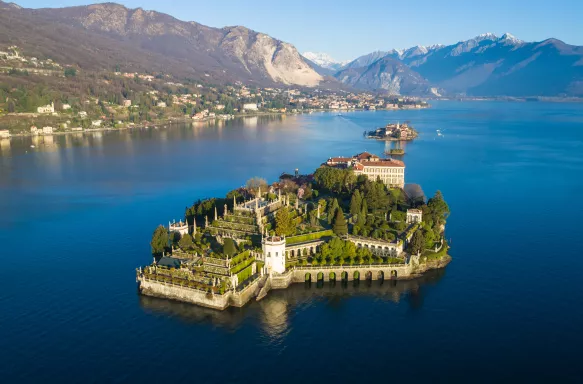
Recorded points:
281,281
240,298
189,295
377,272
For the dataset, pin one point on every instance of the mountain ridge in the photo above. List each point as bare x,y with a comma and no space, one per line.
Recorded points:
220,54
486,65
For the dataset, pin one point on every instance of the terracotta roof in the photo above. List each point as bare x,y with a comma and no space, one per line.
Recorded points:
384,163
340,159
365,155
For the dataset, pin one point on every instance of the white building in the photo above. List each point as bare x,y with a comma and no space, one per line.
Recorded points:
47,130
4,134
250,107
390,171
82,114
66,107
127,103
180,227
49,108
96,123
414,216
161,104
274,254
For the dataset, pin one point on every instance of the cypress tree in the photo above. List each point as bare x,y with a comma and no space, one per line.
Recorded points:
340,226
355,203
332,211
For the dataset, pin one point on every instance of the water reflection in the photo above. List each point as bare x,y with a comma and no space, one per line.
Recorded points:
5,146
179,131
274,311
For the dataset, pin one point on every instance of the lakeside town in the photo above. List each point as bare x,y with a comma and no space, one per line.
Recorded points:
353,219
42,97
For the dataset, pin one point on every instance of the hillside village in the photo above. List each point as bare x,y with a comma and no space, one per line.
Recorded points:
41,96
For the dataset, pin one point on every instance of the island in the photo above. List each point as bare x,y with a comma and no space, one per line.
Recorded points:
352,219
393,132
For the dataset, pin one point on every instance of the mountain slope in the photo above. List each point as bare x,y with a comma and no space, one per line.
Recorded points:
486,65
492,66
110,33
387,74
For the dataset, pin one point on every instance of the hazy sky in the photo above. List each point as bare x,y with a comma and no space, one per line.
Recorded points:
346,29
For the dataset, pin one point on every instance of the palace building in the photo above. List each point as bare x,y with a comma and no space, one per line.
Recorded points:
390,171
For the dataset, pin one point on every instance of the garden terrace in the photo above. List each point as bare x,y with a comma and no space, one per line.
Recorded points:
308,237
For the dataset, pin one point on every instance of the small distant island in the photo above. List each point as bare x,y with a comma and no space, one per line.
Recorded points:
352,219
393,132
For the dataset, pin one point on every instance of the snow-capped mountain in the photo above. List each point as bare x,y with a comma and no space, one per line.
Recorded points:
324,60
485,65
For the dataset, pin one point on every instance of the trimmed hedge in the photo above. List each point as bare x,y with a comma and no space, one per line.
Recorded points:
308,237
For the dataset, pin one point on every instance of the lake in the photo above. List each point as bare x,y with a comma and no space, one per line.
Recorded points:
78,212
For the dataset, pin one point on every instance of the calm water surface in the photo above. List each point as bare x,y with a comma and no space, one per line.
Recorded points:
77,213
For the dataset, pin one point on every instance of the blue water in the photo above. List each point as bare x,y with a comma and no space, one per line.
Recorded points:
77,213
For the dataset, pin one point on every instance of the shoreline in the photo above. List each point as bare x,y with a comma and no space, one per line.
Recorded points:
184,120
260,287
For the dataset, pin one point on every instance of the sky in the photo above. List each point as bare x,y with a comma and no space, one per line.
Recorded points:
346,29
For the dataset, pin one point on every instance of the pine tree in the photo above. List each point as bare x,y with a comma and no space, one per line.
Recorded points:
340,226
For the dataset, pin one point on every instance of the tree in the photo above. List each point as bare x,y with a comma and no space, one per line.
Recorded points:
229,247
340,226
186,242
255,183
332,208
70,72
376,196
355,203
159,241
438,207
417,243
284,222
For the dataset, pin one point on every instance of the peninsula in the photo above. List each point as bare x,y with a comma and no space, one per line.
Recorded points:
352,219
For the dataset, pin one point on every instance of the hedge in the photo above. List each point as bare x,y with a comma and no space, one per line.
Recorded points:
308,237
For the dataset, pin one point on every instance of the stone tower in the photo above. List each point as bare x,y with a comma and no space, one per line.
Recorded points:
274,253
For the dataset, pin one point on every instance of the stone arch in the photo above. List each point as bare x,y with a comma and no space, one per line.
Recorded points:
332,276
380,275
368,275
308,277
356,275
320,276
394,274
344,276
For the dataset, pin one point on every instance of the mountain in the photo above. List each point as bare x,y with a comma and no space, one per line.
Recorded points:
491,66
110,34
486,65
324,60
386,74
368,59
